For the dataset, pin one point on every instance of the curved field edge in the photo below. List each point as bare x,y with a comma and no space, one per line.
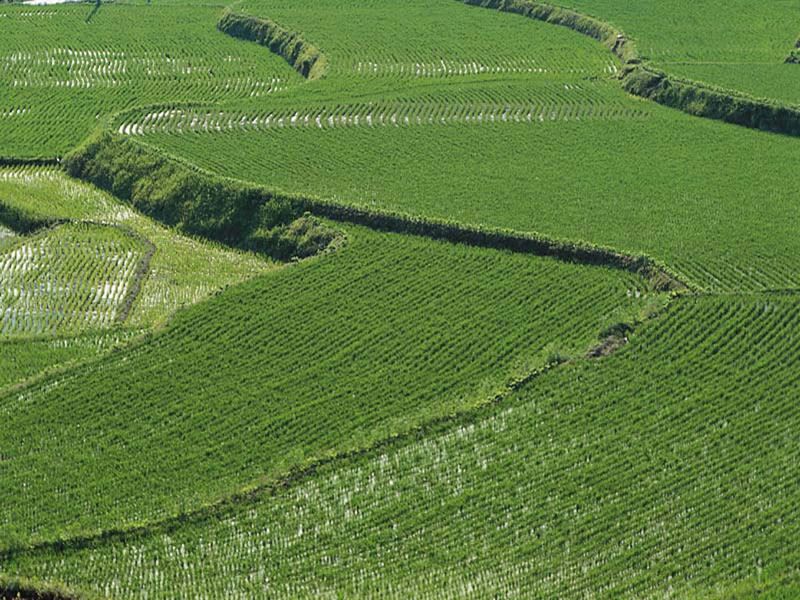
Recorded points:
611,340
304,57
165,188
674,470
639,78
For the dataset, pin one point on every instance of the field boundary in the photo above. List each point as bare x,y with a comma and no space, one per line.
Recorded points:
640,79
304,57
25,225
231,207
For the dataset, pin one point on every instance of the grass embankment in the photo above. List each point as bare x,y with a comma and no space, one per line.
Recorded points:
645,80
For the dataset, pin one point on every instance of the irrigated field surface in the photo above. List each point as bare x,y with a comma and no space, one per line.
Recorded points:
69,278
400,416
181,270
658,471
294,366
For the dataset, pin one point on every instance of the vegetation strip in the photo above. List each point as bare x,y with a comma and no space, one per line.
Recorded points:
306,58
165,188
638,78
794,55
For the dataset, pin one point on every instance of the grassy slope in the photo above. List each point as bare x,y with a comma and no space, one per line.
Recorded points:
313,359
739,45
662,469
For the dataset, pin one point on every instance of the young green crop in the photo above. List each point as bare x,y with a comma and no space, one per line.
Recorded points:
303,363
23,357
664,470
70,278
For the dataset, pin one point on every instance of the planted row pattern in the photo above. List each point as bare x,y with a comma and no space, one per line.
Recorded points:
664,470
311,360
68,278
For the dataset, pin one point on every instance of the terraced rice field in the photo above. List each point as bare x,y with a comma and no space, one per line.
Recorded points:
61,72
669,185
24,357
417,411
227,401
590,469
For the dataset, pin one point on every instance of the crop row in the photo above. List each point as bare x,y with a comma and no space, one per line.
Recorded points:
68,278
308,361
65,73
182,271
24,357
187,121
662,469
422,39
740,46
676,188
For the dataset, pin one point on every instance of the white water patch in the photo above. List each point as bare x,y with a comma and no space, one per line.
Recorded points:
48,2
36,13
453,68
188,121
6,113
6,233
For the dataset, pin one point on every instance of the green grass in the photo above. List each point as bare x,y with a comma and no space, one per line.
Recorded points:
662,470
739,45
309,361
181,272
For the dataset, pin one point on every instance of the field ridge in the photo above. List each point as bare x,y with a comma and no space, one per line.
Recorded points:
304,57
638,78
92,163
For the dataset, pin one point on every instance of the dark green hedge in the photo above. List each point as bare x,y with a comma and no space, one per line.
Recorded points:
306,58
712,103
603,32
196,202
